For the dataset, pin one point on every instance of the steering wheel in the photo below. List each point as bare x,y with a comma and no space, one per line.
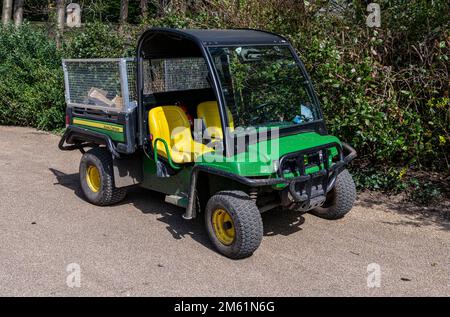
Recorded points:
261,115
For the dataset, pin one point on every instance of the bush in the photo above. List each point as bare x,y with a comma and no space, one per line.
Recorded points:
97,40
383,90
31,79
395,112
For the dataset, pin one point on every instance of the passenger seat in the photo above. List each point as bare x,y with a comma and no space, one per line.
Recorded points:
208,112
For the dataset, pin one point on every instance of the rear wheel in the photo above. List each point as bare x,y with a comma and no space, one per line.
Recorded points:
97,178
340,199
234,224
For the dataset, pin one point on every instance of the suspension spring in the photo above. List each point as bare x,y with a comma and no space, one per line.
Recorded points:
253,194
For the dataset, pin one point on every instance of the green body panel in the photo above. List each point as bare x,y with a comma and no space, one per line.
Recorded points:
259,160
174,185
114,131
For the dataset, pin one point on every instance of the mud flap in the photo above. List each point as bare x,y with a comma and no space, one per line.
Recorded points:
128,171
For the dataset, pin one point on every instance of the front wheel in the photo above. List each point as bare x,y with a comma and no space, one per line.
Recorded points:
340,199
234,224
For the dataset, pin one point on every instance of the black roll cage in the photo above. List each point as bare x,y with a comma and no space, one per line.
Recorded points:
203,45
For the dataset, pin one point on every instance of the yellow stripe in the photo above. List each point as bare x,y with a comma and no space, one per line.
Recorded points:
98,125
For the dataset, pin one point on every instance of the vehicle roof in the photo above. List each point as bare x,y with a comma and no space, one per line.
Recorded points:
210,37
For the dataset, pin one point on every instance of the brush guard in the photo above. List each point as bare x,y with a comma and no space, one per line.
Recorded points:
308,191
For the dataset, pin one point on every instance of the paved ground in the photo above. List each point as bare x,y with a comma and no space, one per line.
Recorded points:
143,247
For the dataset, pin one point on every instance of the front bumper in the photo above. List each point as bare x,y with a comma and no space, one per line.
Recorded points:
300,188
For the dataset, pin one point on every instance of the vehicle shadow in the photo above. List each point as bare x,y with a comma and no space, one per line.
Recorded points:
151,202
282,222
275,222
70,181
148,202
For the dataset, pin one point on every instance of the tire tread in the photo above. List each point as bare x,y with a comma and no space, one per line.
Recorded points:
110,194
249,222
345,196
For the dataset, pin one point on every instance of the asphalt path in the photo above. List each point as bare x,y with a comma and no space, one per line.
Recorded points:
54,243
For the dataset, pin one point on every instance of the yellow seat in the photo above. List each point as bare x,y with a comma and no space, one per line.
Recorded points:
171,124
209,112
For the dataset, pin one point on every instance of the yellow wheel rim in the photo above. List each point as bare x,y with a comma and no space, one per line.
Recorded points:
93,178
223,226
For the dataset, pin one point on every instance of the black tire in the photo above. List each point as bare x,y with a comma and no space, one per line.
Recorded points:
246,218
107,194
340,199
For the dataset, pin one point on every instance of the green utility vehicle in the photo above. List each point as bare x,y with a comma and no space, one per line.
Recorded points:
225,123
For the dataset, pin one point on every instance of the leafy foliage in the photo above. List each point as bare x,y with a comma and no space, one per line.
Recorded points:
31,80
97,40
418,187
383,90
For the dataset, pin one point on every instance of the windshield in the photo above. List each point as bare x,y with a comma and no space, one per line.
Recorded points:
263,86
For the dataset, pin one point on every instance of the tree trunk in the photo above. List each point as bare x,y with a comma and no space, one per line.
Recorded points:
296,5
18,12
123,14
237,5
161,9
60,15
301,6
144,8
7,11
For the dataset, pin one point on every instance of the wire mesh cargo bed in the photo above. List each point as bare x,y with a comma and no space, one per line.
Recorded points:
101,84
101,102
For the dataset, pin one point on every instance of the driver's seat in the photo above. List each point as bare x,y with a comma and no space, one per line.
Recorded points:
171,124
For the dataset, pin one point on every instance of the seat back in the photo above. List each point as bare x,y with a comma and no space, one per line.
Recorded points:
209,112
171,124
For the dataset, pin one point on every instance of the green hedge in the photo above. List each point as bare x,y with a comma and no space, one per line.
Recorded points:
383,90
31,79
97,40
